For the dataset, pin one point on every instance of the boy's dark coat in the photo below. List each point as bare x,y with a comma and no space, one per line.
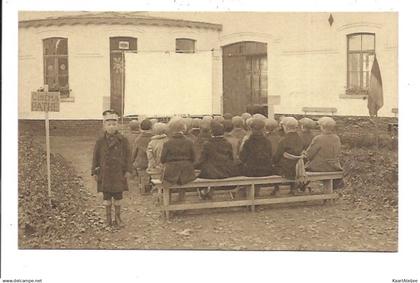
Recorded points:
111,160
178,160
307,137
323,153
216,160
256,156
293,144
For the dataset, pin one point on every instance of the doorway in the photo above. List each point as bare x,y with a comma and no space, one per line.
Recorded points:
245,78
118,47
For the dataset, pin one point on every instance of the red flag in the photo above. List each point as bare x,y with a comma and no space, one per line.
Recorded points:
375,93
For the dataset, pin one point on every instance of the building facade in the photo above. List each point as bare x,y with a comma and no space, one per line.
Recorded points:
207,63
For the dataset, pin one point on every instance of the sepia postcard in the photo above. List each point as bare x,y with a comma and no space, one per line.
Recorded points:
224,131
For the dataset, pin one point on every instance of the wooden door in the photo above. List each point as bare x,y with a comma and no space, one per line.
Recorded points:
118,47
244,76
117,81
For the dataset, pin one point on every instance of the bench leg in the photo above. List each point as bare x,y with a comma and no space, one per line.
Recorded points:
251,197
328,188
181,195
166,202
159,194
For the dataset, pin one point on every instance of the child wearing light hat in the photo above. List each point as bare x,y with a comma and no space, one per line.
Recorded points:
306,126
291,145
272,134
235,136
216,160
245,116
111,166
140,161
324,152
195,130
238,128
134,131
154,148
203,137
177,156
256,151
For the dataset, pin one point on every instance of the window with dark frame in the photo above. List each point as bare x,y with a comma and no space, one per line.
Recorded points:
56,71
360,56
185,45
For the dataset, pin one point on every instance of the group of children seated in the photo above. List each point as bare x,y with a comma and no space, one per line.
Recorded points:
225,146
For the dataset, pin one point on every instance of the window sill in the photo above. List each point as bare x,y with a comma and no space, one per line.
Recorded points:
67,99
353,96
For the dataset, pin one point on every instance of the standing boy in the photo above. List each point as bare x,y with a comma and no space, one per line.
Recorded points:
111,165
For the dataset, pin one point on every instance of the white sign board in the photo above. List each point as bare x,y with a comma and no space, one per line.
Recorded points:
166,84
45,101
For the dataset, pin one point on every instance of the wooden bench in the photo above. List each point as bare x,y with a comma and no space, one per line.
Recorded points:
250,184
320,110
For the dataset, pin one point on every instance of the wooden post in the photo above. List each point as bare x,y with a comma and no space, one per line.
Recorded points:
166,201
122,88
45,101
47,143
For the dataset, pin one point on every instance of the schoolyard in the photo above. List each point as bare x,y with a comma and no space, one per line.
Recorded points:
365,218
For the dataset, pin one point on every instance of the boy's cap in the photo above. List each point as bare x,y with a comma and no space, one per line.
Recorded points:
159,128
217,128
327,123
245,116
257,124
228,116
237,122
207,118
270,124
228,125
249,121
134,125
307,123
290,122
219,119
146,124
259,116
281,118
205,124
110,115
153,121
195,123
176,125
173,118
188,122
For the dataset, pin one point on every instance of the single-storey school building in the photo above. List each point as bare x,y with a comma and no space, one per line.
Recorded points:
161,64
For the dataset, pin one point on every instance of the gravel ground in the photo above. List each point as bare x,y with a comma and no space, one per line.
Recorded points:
365,218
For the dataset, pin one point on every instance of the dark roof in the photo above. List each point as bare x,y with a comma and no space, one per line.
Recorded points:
116,18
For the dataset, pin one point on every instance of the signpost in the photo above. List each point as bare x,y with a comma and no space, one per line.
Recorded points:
46,101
